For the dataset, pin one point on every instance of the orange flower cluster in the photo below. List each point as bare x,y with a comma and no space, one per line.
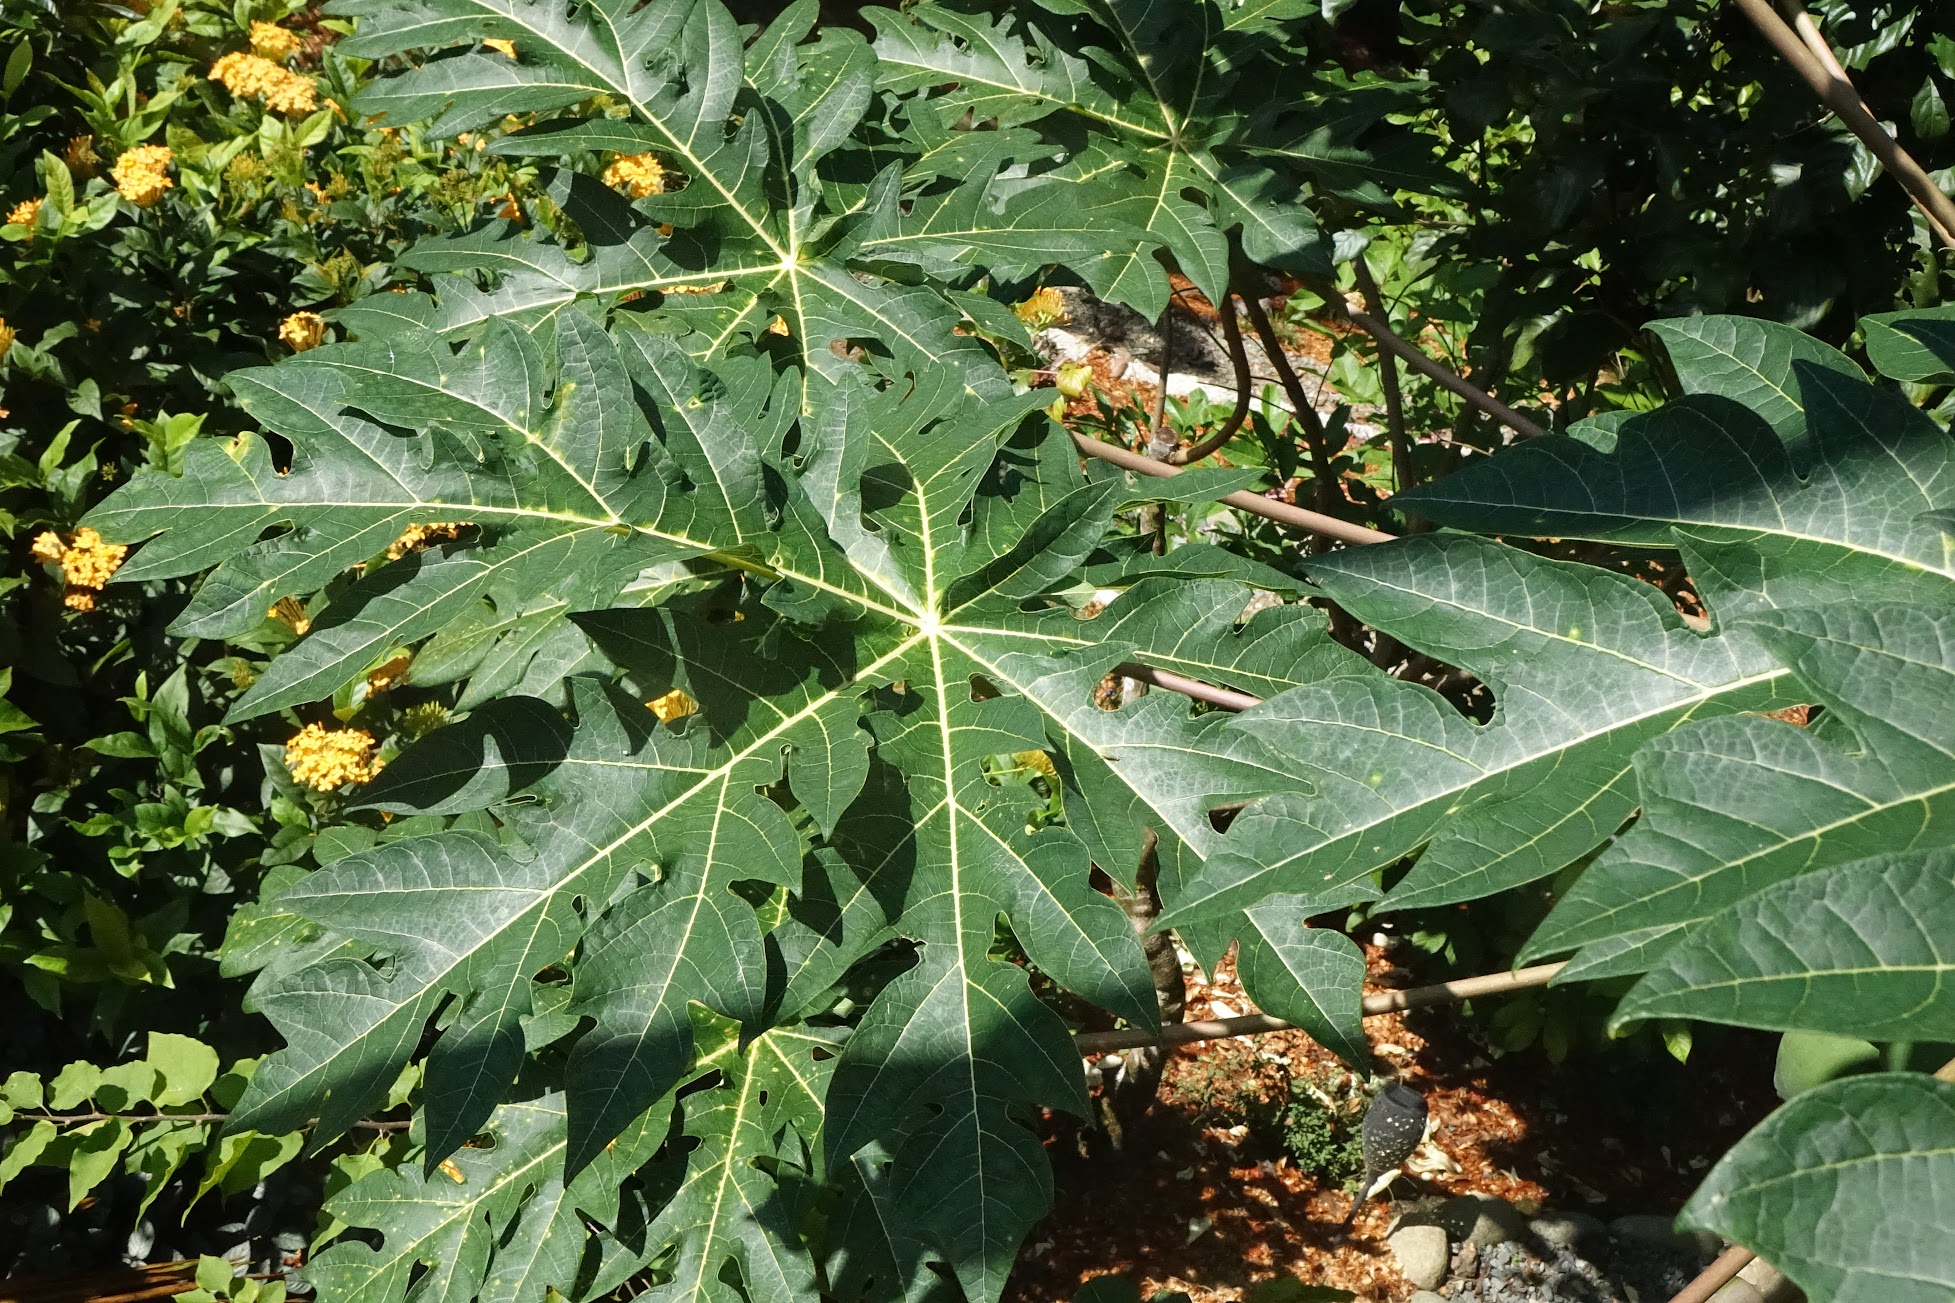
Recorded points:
7,334
252,76
86,563
324,759
302,330
637,175
24,212
141,175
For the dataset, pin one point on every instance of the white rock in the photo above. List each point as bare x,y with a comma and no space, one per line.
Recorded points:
1423,1255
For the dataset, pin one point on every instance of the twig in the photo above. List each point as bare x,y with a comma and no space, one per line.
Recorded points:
1403,477
1226,698
1240,357
1254,503
1315,437
1416,358
1716,1276
1837,93
138,1119
1255,1024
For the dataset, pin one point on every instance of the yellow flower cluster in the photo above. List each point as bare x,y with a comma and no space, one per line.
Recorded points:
141,175
416,537
86,563
507,49
637,175
422,718
7,334
1044,308
302,330
324,759
249,75
270,41
24,212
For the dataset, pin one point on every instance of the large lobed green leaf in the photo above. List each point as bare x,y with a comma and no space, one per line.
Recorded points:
1733,806
1849,1190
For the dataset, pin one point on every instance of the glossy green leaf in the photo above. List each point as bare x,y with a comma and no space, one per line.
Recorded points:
1849,1189
1732,806
1829,505
1862,948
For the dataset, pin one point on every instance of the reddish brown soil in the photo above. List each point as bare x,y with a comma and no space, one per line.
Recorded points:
1200,1206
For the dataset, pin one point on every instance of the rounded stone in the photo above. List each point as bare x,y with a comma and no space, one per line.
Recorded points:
1661,1232
1422,1253
1571,1231
1481,1219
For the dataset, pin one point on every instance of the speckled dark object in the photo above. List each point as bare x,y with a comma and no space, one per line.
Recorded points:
1393,1127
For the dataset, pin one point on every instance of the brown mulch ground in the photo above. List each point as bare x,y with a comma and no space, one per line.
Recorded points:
1208,1207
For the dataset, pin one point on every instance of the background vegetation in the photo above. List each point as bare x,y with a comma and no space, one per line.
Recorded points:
402,398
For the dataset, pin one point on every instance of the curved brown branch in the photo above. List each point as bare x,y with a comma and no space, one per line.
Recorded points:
1837,94
1254,503
1239,357
1418,997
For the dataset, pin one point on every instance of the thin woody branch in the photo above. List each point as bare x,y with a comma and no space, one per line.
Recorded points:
1282,512
1255,1024
1403,475
1837,94
1239,358
1315,437
1226,698
1416,358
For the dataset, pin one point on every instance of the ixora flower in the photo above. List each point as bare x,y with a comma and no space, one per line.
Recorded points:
7,333
302,330
1044,308
324,759
249,76
416,537
86,563
80,155
141,175
24,212
637,175
270,41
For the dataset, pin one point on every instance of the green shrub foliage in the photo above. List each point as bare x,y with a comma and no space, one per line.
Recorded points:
682,653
